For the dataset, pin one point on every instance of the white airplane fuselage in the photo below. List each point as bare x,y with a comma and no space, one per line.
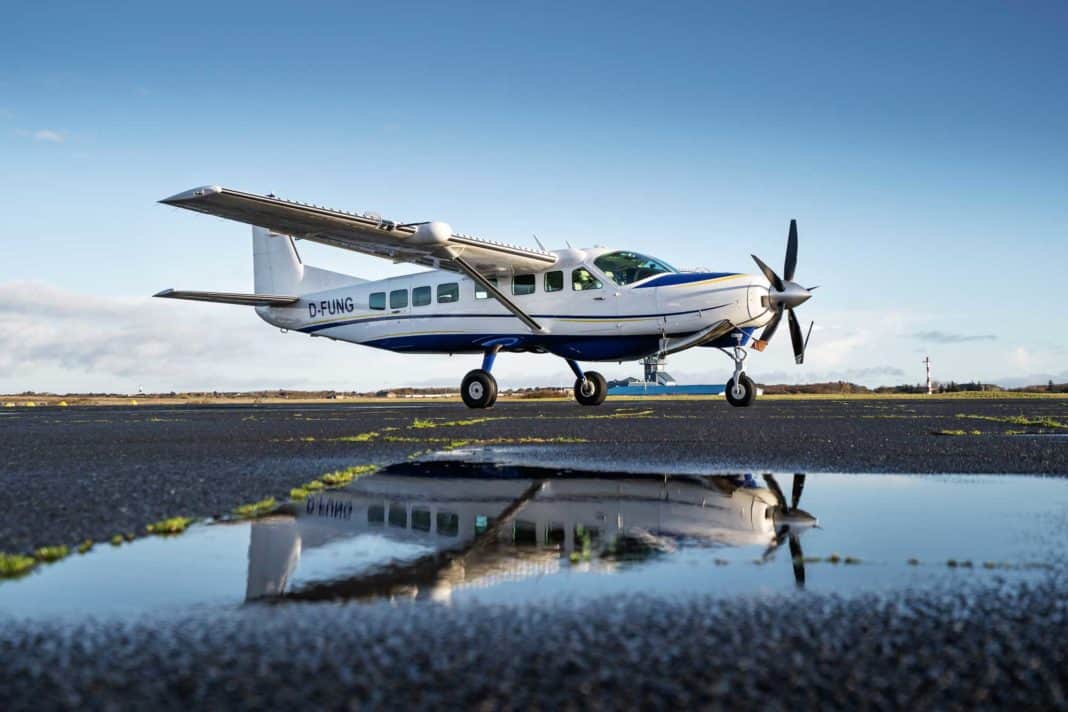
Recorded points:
609,323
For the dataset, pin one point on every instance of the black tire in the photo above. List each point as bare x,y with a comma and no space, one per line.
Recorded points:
746,396
478,389
592,390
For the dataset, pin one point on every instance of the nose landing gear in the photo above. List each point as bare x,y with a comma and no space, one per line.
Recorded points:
740,389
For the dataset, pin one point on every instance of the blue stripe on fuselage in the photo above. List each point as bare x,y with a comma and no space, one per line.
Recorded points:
670,280
419,315
580,348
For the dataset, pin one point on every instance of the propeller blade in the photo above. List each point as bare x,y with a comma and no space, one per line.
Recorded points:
791,253
773,485
776,542
799,485
796,338
769,273
769,330
798,559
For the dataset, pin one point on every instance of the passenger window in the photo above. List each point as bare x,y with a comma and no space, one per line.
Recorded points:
524,532
421,519
522,284
420,296
398,515
481,293
448,292
555,534
378,300
448,524
376,514
581,280
398,299
554,281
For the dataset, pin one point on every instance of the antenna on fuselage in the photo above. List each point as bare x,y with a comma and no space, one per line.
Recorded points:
539,242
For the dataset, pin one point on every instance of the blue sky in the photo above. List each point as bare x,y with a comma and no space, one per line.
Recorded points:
922,150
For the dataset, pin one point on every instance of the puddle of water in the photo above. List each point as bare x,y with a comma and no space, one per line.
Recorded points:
463,533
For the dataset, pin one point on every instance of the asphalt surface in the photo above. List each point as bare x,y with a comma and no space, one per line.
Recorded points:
70,474
998,648
73,473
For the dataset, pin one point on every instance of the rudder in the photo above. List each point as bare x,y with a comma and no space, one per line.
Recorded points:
277,268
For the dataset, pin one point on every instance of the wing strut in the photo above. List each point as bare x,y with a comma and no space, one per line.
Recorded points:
508,304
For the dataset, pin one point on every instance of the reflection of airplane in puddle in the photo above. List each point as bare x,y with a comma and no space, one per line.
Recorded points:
424,536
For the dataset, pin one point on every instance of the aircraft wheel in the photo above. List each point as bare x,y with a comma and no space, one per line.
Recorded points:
741,394
479,389
592,390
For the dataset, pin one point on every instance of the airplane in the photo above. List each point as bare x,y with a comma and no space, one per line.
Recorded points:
480,530
480,296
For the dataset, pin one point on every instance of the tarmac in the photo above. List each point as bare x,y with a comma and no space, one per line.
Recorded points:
77,473
71,474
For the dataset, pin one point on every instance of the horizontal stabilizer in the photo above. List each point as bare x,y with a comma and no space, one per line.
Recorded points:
249,300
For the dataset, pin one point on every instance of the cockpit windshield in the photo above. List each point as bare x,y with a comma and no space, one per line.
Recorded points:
626,267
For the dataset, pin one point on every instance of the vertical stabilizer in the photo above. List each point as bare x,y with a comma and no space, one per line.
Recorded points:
278,269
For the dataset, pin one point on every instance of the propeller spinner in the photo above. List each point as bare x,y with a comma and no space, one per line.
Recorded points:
784,295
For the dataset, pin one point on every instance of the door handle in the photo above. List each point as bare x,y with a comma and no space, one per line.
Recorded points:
599,299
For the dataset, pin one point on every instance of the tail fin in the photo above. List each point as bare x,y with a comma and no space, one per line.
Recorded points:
278,268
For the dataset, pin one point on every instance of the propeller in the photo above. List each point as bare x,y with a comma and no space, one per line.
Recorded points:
784,295
792,521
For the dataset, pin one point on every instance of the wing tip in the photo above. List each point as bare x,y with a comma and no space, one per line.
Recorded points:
192,194
164,293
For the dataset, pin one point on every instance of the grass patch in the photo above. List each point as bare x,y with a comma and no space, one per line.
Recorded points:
956,433
85,547
422,423
255,509
117,540
48,554
358,438
1051,423
12,565
169,527
340,478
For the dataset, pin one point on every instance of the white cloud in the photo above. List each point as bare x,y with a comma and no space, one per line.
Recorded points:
44,135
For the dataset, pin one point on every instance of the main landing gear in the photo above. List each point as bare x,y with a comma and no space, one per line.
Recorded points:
740,389
590,386
479,387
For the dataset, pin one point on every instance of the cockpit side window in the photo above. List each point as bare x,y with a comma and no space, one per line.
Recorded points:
582,279
627,267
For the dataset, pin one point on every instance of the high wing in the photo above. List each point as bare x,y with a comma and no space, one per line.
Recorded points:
428,244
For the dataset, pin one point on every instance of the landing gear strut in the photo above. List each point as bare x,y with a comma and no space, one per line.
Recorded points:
479,387
590,386
740,389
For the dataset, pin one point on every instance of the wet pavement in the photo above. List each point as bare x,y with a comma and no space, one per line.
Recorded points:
449,532
542,557
72,474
